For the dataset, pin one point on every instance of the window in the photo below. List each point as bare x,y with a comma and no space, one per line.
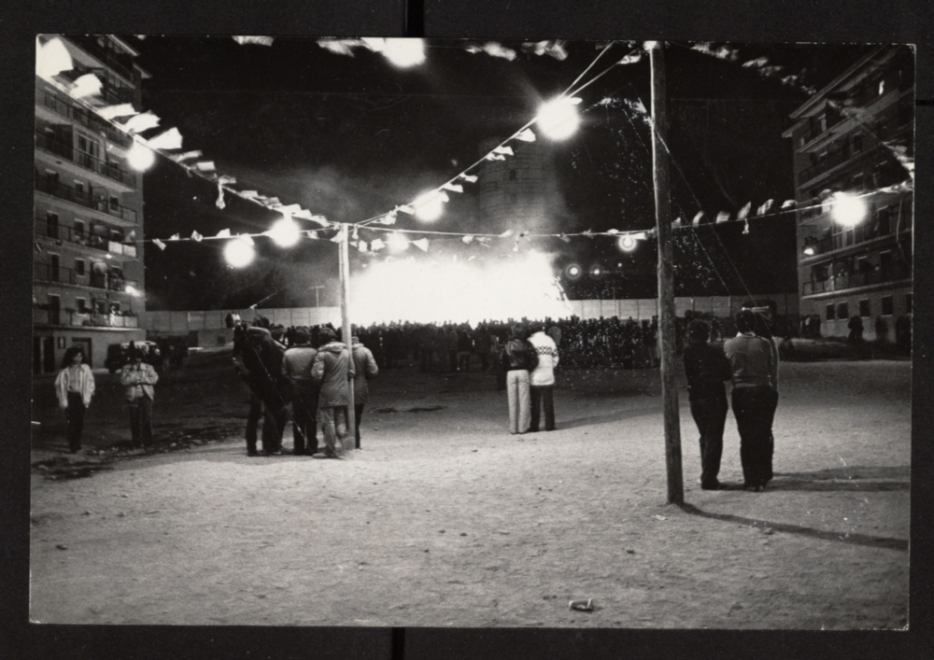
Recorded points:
114,203
79,189
55,309
885,263
81,305
887,306
830,312
864,308
908,302
51,225
843,311
883,216
79,267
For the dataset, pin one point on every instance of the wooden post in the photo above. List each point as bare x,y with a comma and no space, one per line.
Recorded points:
347,335
666,298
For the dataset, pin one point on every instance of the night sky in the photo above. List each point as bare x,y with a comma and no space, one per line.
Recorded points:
352,137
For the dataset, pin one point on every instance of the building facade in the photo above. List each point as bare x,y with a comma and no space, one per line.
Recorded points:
856,136
88,279
514,193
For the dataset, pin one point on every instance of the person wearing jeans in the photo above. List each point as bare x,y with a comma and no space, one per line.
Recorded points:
542,378
518,358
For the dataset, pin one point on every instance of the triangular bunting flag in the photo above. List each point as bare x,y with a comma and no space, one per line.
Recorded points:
205,166
631,59
141,123
468,239
612,232
388,219
723,216
377,244
765,207
469,178
361,245
565,238
405,208
249,194
159,244
114,111
86,85
788,203
506,233
526,135
453,187
186,156
494,156
507,151
259,41
697,218
676,222
744,212
312,235
52,58
171,139
223,233
588,233
421,244
175,237
195,236
226,180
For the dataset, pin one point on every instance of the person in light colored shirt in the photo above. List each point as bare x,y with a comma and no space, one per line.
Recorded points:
542,378
139,378
74,387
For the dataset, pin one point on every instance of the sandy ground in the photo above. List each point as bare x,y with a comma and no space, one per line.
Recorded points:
444,519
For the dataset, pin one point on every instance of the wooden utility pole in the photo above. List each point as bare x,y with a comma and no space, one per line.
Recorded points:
666,291
347,335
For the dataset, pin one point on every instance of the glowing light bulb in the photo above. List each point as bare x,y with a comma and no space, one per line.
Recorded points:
559,119
239,252
626,243
848,210
430,205
285,232
140,157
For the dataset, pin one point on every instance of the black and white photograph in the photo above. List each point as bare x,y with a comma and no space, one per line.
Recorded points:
462,333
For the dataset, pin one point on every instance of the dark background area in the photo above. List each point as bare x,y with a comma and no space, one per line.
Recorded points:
859,21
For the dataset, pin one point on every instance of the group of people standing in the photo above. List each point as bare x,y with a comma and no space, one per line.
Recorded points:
75,387
316,381
750,361
529,364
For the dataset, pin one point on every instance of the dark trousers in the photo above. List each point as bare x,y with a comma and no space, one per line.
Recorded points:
252,423
273,425
74,419
754,408
305,416
710,416
141,420
358,415
543,395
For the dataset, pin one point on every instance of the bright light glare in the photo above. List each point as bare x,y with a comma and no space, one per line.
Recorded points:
140,157
559,119
133,291
397,242
404,52
239,253
626,243
848,210
438,290
285,232
430,205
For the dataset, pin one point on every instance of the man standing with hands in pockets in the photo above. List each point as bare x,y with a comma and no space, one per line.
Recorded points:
138,378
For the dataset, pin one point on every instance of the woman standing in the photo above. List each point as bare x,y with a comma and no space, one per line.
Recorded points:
74,387
518,359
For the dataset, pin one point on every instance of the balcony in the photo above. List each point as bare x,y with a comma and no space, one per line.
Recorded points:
67,318
95,280
83,198
83,238
121,64
843,282
86,119
87,161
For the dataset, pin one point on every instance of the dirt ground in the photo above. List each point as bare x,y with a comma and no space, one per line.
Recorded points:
444,519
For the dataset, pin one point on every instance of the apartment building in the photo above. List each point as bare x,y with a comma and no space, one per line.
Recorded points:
88,279
849,138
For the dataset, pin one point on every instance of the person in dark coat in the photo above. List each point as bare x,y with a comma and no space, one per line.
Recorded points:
706,368
334,370
296,366
365,368
258,358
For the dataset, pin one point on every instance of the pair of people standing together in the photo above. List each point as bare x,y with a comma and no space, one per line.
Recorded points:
529,363
750,361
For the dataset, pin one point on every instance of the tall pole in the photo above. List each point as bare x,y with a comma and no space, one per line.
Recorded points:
347,335
666,290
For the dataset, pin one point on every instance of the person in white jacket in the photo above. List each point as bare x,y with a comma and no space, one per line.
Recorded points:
74,387
138,378
542,378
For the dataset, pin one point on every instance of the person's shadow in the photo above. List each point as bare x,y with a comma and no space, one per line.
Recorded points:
845,478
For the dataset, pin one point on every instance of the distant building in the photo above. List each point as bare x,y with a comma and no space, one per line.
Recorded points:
88,281
515,192
848,138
